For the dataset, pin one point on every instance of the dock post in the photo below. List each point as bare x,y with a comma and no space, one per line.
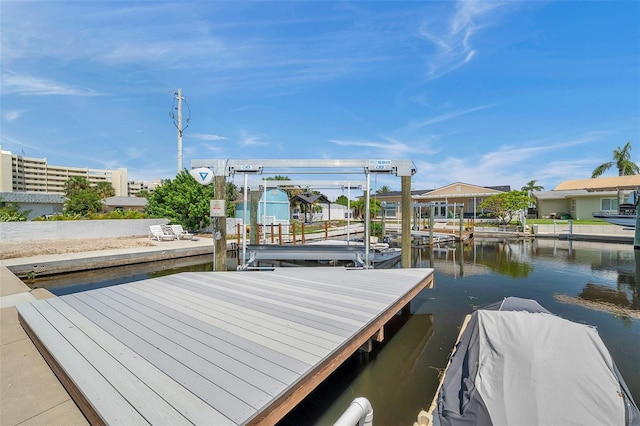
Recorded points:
253,231
220,224
636,234
406,221
461,225
432,212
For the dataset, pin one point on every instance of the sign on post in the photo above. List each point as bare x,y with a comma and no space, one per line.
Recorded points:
217,208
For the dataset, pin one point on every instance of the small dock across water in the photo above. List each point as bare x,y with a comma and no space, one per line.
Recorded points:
213,347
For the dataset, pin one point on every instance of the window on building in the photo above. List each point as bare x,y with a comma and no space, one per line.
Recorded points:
609,204
390,209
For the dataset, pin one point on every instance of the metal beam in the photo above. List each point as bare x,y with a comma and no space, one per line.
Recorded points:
309,166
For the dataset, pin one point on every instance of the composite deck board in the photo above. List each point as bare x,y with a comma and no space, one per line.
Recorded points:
252,315
175,347
231,309
304,292
264,337
187,403
146,402
103,397
212,393
357,309
272,296
285,304
226,361
316,285
212,348
315,321
224,339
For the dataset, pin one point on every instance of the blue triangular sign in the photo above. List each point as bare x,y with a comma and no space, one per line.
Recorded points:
204,175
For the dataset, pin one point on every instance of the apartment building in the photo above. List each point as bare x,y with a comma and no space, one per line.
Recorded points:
135,187
27,174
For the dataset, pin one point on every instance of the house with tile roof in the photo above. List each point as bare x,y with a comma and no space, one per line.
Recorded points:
446,200
578,199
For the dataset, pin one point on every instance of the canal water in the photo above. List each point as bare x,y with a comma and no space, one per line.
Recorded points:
590,283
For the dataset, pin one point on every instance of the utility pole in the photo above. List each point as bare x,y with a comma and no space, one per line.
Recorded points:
179,98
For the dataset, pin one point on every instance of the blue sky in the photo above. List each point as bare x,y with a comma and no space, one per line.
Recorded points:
488,93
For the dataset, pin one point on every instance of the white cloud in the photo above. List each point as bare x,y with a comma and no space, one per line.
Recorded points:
448,116
250,140
389,146
206,136
24,84
12,115
453,42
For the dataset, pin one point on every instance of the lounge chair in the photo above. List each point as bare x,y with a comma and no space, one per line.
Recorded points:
180,233
157,233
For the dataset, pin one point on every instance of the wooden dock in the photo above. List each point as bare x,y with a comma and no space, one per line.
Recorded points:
213,347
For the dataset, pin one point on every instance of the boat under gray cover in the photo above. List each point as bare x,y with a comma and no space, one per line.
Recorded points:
518,364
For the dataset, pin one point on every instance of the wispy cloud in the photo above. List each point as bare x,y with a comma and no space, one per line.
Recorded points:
206,136
448,116
513,165
24,84
248,139
388,145
13,115
454,42
18,146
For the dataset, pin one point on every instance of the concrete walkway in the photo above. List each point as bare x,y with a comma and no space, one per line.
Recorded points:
30,394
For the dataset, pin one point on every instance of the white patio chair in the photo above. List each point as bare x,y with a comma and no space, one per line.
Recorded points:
157,233
180,233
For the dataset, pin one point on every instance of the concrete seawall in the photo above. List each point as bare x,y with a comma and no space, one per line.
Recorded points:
565,230
71,229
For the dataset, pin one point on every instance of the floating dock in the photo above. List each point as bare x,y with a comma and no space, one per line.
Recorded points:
213,347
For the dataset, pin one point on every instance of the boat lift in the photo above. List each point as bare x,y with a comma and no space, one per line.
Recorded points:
230,167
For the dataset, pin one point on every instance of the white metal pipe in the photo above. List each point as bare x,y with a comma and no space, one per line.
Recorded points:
348,212
360,412
367,222
264,211
244,221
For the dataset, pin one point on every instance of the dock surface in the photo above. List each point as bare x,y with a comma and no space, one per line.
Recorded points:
213,348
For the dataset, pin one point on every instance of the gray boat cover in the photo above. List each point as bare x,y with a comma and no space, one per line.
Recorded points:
518,364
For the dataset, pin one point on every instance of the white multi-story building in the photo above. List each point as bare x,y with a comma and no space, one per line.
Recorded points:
27,174
135,187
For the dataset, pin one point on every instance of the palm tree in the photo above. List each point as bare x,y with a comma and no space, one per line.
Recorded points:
531,186
383,189
622,160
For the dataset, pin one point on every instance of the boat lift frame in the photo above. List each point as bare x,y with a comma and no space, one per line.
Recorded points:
230,167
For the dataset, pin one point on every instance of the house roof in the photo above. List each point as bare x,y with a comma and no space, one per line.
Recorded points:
311,198
399,193
31,197
125,201
461,189
610,183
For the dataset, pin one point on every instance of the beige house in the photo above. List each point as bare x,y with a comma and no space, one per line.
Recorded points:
446,200
578,199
